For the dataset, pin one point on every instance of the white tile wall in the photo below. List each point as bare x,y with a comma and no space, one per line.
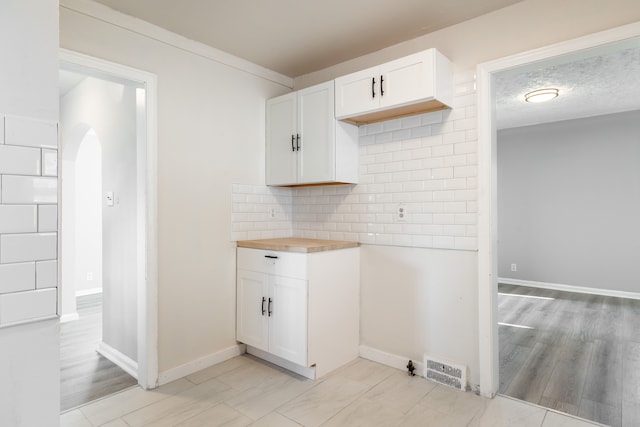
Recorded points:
46,274
29,132
426,164
27,247
18,219
17,277
29,189
27,306
251,212
47,218
28,219
19,160
49,162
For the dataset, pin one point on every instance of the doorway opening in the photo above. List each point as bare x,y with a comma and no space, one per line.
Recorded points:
491,266
108,225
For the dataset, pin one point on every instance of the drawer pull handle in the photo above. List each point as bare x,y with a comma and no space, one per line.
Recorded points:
269,306
271,256
262,305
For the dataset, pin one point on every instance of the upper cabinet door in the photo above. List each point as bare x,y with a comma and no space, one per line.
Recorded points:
316,126
357,92
281,140
407,79
415,84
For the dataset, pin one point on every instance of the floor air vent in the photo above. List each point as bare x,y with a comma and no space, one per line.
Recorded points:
445,373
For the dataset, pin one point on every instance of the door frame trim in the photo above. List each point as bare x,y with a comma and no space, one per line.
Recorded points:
147,310
487,185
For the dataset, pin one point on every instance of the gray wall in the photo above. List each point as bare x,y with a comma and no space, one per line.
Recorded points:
569,202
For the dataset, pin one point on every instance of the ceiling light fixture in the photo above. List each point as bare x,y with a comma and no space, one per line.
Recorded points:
541,95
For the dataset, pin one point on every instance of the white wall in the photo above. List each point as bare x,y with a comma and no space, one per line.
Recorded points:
569,200
29,355
109,110
210,134
88,214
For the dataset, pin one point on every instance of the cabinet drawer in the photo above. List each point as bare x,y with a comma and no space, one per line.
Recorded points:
285,264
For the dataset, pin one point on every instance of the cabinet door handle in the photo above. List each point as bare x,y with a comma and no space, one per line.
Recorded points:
262,305
298,142
269,306
381,87
271,256
373,87
293,138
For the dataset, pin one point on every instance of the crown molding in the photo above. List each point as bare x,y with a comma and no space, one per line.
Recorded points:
106,14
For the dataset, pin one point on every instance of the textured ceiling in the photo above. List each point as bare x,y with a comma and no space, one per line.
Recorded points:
592,82
295,37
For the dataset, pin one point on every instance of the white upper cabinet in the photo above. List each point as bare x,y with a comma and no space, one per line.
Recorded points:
282,127
411,85
305,143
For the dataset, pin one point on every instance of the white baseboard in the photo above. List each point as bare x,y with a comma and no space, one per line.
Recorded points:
129,365
91,291
199,364
392,360
570,288
304,371
69,317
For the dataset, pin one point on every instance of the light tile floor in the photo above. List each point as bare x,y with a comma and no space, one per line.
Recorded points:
246,391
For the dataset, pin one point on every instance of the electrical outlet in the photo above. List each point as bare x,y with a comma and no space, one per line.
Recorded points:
401,213
514,267
89,277
272,212
109,198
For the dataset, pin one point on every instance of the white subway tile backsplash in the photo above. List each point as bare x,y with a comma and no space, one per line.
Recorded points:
18,219
17,277
442,150
374,128
427,163
49,162
28,170
466,147
27,247
47,218
432,118
46,274
19,160
31,132
27,306
28,189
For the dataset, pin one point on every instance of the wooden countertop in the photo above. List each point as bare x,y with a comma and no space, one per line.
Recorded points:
295,244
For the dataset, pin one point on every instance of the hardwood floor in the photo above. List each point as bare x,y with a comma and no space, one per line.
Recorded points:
576,353
85,375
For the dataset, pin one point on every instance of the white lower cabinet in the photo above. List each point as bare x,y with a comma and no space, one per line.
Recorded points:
299,308
272,312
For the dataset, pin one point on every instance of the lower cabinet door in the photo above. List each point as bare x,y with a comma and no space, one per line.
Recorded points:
252,326
288,319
